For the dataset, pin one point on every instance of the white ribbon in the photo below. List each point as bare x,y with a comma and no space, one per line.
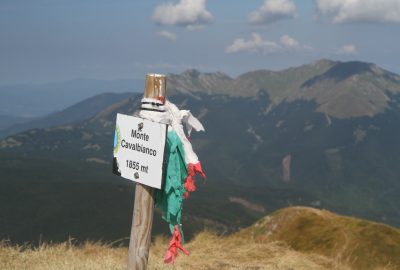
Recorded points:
174,118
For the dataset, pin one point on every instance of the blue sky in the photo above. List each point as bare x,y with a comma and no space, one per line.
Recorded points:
56,40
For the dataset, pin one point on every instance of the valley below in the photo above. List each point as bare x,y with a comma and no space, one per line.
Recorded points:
322,135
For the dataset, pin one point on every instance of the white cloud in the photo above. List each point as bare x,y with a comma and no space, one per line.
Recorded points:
187,13
344,11
254,45
349,49
258,45
167,35
272,11
289,42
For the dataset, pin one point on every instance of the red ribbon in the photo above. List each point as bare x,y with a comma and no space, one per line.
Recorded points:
174,245
189,185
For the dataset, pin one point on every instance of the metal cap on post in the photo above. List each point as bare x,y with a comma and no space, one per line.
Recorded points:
139,244
155,87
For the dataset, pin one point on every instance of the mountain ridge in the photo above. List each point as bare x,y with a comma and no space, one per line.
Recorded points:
78,112
329,83
268,155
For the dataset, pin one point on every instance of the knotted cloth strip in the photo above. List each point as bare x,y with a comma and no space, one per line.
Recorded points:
174,245
182,165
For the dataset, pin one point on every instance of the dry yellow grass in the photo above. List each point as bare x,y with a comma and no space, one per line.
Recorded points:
278,242
62,256
211,252
355,242
207,252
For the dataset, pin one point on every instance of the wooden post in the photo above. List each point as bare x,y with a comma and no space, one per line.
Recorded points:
142,220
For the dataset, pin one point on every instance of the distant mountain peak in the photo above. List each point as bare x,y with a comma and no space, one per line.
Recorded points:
192,73
347,69
331,84
196,74
192,81
341,71
323,61
221,74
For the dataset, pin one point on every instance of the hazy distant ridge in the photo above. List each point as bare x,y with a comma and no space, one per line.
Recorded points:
76,113
341,89
36,100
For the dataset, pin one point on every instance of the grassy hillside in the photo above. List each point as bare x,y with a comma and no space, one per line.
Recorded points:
292,238
356,242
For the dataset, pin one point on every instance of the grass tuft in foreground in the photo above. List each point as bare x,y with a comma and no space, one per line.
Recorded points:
208,251
296,238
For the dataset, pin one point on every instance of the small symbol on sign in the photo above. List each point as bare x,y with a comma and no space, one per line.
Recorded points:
136,175
140,126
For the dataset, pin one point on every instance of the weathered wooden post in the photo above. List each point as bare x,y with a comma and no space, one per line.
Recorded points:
142,221
140,143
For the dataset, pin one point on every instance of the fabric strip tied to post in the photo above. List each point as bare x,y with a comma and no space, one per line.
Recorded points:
182,165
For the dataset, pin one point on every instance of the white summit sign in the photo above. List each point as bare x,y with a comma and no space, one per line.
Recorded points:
139,150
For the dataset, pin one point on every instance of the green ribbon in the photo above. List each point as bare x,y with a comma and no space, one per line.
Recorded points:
170,198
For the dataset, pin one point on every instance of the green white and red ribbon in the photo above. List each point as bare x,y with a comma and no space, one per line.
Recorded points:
181,168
